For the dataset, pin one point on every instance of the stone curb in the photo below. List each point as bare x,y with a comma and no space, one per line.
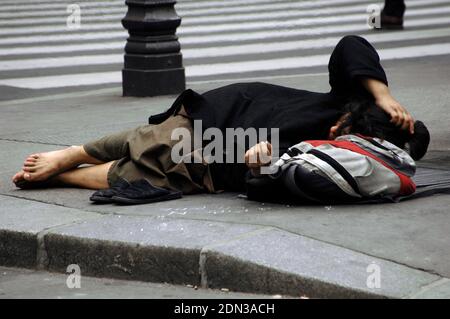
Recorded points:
245,258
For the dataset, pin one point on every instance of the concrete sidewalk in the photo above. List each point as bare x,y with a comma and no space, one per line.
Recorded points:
19,283
225,241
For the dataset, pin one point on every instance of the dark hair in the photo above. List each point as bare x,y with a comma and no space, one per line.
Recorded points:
368,119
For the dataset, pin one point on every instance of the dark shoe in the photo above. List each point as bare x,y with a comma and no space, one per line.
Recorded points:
105,195
391,22
142,192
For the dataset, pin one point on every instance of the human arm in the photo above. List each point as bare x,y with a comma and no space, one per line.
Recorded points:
355,70
384,99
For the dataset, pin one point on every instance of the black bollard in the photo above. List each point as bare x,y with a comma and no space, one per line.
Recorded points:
153,62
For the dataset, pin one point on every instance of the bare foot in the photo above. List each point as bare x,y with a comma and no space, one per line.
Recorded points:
18,177
21,182
42,166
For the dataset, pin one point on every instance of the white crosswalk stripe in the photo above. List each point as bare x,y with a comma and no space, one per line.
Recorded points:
357,8
225,68
288,21
218,38
245,49
226,38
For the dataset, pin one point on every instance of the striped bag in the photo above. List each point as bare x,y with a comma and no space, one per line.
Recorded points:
349,167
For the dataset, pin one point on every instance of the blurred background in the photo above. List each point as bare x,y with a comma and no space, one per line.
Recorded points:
53,46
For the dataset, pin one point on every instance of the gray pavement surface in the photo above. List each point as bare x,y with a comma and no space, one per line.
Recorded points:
16,283
225,241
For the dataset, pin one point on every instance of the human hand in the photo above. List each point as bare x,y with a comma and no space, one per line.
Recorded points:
399,115
259,155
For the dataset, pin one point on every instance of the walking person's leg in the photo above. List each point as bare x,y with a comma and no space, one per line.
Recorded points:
392,14
395,8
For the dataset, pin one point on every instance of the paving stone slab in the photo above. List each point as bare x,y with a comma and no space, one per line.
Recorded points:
16,283
76,120
20,223
438,290
139,248
276,261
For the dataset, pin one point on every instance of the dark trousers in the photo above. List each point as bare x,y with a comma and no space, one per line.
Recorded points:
394,8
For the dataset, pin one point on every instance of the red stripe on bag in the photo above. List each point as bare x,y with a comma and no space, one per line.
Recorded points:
407,186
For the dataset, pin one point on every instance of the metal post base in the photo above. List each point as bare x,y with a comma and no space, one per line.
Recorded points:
153,64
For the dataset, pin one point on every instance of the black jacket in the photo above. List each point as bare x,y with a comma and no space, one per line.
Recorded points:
298,114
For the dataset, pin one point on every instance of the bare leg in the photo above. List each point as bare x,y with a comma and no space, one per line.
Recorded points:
42,166
91,177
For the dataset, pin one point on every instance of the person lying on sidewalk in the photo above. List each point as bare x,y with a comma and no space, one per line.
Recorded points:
145,152
356,164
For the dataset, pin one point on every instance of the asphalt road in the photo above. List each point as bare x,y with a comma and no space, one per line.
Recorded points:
239,39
